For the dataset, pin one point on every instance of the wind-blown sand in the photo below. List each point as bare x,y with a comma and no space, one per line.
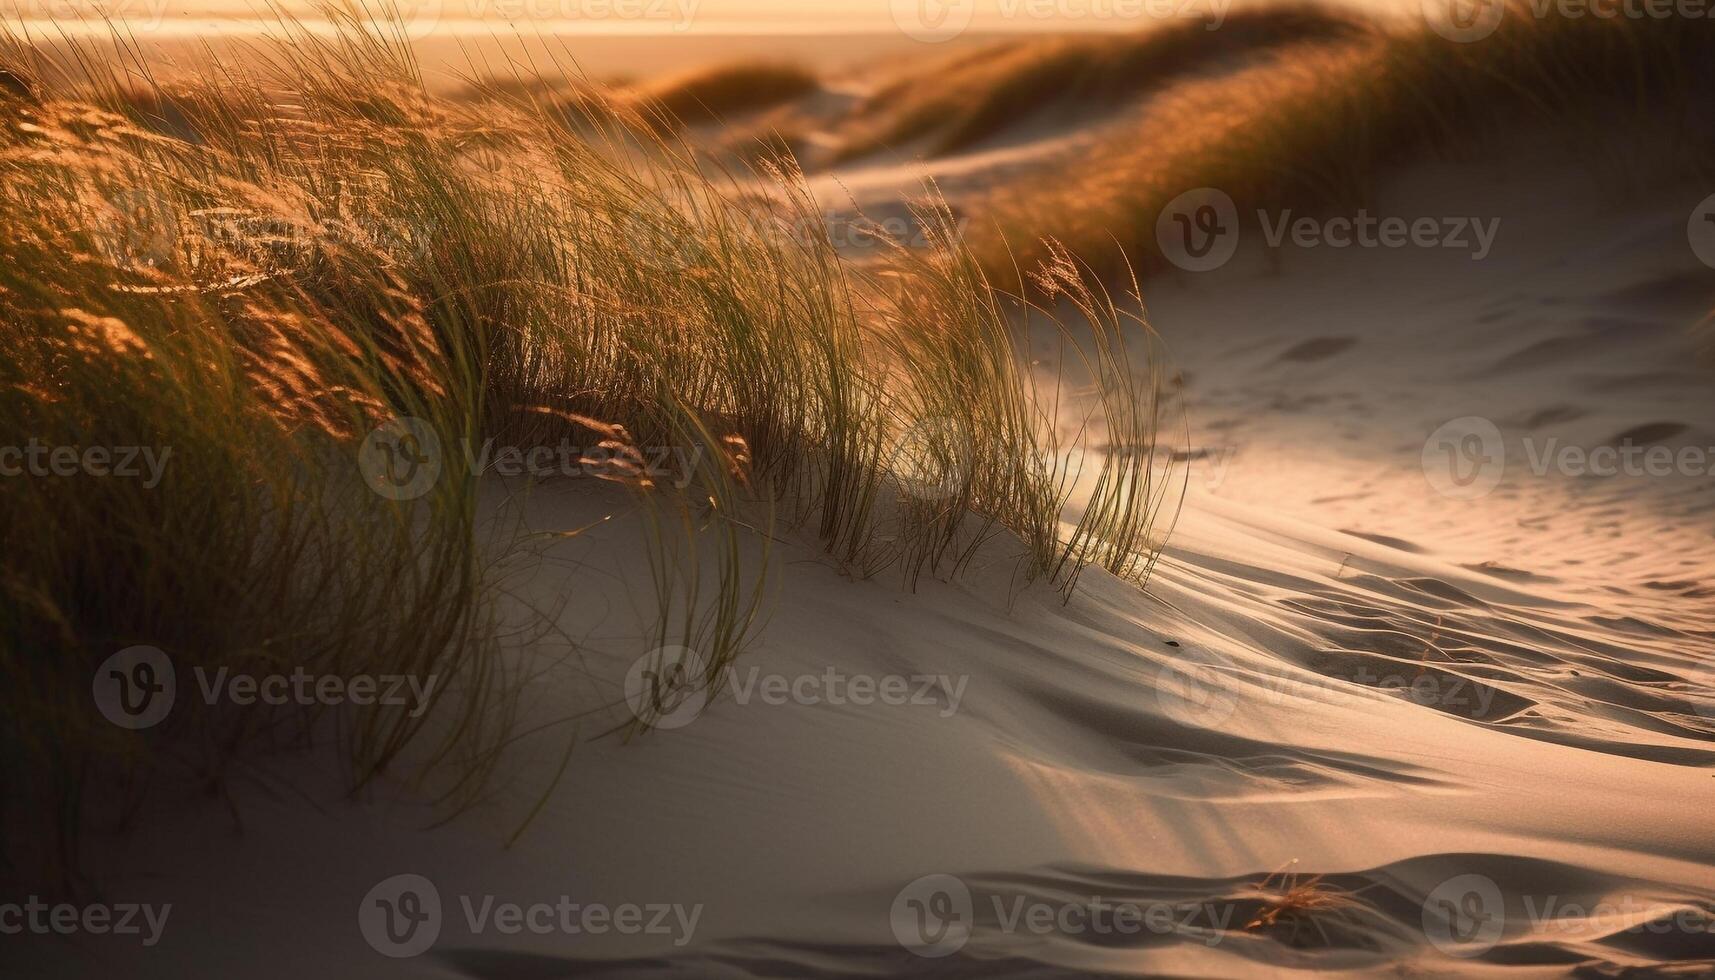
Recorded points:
1337,671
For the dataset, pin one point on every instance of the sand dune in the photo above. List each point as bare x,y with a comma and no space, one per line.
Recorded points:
1336,673
1364,721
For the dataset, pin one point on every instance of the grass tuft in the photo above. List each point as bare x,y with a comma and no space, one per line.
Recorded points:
315,248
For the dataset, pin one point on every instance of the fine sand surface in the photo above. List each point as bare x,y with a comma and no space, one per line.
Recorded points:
1337,671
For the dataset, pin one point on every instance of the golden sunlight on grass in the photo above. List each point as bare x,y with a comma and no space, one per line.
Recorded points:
321,247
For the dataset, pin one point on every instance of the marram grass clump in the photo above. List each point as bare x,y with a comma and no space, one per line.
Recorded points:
316,248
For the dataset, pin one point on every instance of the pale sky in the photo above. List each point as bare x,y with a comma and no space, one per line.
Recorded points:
930,20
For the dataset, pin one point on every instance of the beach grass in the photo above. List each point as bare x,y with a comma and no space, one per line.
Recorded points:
1315,127
954,104
316,252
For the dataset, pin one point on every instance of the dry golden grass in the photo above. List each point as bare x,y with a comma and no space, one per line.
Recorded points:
721,92
1315,127
336,248
1290,906
973,96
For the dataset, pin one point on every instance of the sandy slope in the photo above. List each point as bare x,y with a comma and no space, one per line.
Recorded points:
1336,666
1170,750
